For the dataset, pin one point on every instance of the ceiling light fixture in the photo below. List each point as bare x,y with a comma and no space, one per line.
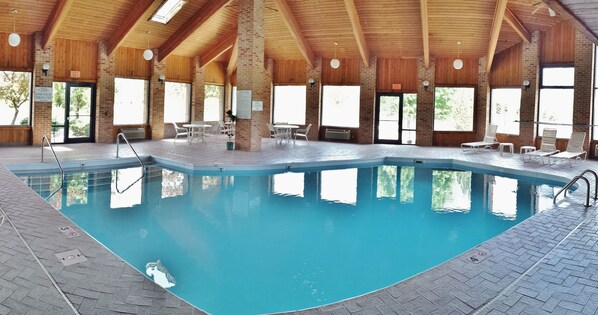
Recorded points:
148,54
14,39
458,63
335,63
167,11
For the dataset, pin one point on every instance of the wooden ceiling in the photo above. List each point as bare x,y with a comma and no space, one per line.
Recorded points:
305,29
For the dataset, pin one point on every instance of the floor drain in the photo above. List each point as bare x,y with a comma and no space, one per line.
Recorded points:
71,257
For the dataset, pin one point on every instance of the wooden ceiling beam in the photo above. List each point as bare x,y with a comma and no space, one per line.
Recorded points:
216,51
499,14
127,25
567,15
358,32
517,26
423,8
291,23
56,18
201,17
232,61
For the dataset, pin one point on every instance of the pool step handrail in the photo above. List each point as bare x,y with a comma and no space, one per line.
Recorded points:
122,135
46,140
574,180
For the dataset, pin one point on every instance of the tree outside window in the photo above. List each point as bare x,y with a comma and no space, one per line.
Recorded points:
15,95
453,108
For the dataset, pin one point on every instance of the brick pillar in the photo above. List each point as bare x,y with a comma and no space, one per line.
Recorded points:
312,108
530,70
267,98
367,102
157,98
199,91
41,116
482,109
582,105
424,131
104,95
250,72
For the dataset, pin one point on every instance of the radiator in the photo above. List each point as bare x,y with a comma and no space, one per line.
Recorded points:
133,133
338,134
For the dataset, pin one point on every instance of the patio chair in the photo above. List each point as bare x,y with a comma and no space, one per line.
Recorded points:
574,150
547,147
302,132
488,142
179,131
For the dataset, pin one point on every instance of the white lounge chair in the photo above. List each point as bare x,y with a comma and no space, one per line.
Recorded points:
547,147
574,150
302,132
488,142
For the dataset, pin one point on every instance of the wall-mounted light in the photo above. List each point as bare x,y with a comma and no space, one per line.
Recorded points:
426,83
526,84
311,82
14,39
161,78
45,68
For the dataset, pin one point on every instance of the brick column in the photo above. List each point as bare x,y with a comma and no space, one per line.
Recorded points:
41,116
583,102
199,91
482,109
104,95
250,72
367,102
424,130
312,108
267,88
157,98
530,70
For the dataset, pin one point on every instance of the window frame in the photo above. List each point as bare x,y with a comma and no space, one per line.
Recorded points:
147,105
553,87
492,108
189,106
222,100
304,105
322,106
475,104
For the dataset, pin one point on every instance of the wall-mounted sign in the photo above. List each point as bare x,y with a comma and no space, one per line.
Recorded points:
42,94
75,74
396,86
257,106
244,104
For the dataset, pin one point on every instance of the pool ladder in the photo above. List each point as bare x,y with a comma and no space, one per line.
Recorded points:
122,135
46,140
574,180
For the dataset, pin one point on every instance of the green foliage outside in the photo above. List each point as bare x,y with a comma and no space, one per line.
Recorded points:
14,90
453,109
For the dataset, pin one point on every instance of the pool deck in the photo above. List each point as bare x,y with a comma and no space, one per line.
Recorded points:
546,264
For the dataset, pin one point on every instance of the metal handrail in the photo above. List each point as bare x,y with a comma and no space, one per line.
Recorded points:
574,180
122,135
44,137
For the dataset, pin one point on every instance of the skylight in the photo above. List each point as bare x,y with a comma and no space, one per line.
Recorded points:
167,10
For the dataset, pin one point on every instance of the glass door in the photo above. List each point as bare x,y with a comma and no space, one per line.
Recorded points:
395,118
73,108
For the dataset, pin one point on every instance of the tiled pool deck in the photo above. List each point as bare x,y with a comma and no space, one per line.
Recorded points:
546,264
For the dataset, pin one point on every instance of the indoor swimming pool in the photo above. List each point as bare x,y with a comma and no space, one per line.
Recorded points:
263,243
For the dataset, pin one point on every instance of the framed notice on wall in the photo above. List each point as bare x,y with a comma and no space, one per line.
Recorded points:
244,104
42,94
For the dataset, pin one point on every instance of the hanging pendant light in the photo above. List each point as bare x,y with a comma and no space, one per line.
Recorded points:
335,63
14,39
458,63
148,54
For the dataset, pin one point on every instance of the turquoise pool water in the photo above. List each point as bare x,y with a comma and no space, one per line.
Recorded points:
251,244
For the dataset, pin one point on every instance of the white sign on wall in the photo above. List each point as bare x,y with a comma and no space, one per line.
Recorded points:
42,94
257,106
244,104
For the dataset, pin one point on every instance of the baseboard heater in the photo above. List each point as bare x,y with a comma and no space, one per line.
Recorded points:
133,133
338,134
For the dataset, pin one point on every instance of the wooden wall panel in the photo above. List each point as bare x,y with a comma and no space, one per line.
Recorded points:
452,138
289,72
506,68
215,72
179,69
447,75
394,70
15,135
130,64
346,74
77,56
18,58
557,45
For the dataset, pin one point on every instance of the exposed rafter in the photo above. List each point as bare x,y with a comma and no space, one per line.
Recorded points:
127,25
423,8
291,23
499,14
202,16
517,26
358,32
232,61
574,20
58,15
219,49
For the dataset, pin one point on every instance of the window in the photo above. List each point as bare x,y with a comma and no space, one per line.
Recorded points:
234,100
340,106
504,109
177,102
167,11
289,104
595,120
15,98
556,100
213,102
453,108
130,101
